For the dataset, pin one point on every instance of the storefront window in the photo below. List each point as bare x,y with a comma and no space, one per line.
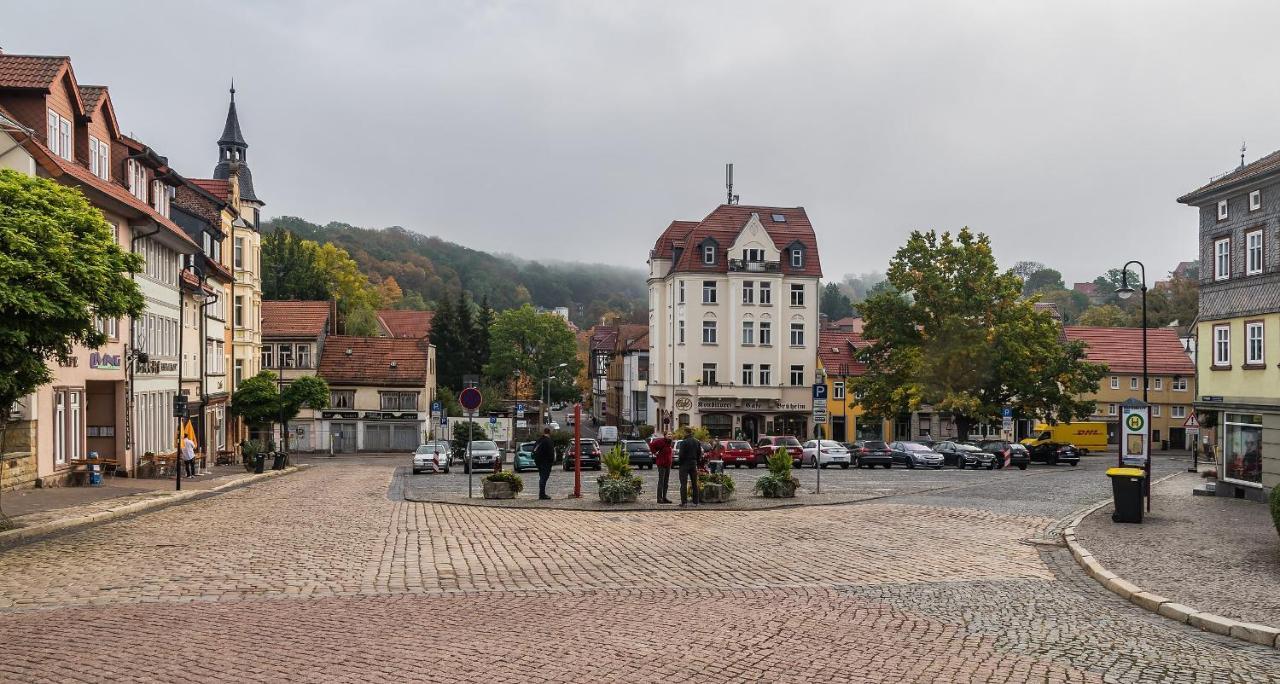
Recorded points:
718,425
1242,448
869,427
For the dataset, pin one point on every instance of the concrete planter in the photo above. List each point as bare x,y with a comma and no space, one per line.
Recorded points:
715,493
498,490
786,490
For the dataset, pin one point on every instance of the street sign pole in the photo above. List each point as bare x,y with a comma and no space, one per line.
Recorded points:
819,418
471,471
471,399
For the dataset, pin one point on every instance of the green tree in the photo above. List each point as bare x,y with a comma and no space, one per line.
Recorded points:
449,347
835,304
362,321
463,432
260,402
534,344
1105,316
1043,280
308,391
480,335
1070,303
344,280
961,338
290,269
60,268
1109,282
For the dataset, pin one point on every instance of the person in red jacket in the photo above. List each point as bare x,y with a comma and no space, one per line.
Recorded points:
661,448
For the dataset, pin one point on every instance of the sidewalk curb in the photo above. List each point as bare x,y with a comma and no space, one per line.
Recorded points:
22,535
1262,635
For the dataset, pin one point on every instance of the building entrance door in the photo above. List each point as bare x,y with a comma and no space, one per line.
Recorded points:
343,437
751,428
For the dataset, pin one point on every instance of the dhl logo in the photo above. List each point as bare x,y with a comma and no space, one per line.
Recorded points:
1090,431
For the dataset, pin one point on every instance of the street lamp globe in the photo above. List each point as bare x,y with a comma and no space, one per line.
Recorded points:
1124,292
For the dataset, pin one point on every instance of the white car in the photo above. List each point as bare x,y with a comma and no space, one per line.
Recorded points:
833,453
568,418
432,457
555,427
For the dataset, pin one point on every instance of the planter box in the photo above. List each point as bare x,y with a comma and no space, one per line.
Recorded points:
716,493
787,491
629,498
498,490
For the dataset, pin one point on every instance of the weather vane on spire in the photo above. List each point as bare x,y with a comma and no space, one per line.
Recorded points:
1242,149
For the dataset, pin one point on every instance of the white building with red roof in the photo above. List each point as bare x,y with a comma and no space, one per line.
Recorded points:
733,322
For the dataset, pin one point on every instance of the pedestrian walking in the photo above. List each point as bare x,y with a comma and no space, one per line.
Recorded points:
690,455
189,456
544,455
661,448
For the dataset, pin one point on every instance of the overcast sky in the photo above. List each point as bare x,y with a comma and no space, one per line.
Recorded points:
1065,130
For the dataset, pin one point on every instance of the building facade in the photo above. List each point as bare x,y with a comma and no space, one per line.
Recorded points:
733,322
293,338
1170,372
1238,328
381,390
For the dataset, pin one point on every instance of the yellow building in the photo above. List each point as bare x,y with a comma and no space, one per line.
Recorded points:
836,363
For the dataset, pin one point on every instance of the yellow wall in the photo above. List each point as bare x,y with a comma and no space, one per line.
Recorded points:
1164,397
1238,381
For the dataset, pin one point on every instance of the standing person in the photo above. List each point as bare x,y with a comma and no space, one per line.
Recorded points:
661,448
690,455
544,455
189,456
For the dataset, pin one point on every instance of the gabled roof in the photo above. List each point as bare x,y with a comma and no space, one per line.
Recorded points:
848,324
1121,349
724,224
95,97
374,361
836,349
294,318
31,71
407,324
219,188
639,343
1262,167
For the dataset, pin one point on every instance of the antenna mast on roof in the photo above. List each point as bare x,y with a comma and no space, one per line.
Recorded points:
1242,148
728,183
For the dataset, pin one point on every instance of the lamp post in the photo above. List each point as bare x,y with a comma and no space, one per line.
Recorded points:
547,387
1125,291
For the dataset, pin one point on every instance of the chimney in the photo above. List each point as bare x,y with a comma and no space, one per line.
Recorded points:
333,316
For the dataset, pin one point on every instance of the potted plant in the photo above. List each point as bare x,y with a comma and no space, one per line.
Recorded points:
716,487
779,483
503,484
249,451
619,484
147,466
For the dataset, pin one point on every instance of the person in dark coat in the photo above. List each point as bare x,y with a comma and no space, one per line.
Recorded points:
544,456
690,450
661,448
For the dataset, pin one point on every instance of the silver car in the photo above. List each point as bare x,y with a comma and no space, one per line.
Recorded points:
913,454
432,457
483,455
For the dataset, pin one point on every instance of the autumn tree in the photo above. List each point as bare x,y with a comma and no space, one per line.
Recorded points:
1043,280
60,269
954,333
1105,316
535,344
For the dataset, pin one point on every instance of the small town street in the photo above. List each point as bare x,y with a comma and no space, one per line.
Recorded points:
329,574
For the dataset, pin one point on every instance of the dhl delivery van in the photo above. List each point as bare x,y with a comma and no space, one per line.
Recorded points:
1085,436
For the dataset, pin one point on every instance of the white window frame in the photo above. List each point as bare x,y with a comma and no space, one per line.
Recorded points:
837,389
1253,254
268,356
681,381
708,254
1111,409
1177,411
93,156
1222,259
797,294
797,334
1222,345
1222,210
1255,200
1255,332
797,257
1133,383
709,332
1159,384
1115,382
748,333
680,331
1155,410
765,336
796,375
680,289
709,292
1179,384
766,293
766,372
748,374
748,292
709,373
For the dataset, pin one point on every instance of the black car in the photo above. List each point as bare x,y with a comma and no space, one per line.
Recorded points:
590,450
963,455
913,454
871,453
1012,452
638,452
1054,453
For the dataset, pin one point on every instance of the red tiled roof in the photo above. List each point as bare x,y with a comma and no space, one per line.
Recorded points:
30,71
724,224
91,94
371,361
849,324
1085,288
1255,169
220,189
57,166
1121,349
294,318
407,324
835,349
639,342
676,232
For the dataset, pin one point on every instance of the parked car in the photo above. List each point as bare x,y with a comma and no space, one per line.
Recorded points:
913,454
871,453
824,453
766,445
555,427
607,434
523,459
431,456
736,453
965,455
590,450
483,455
568,418
638,451
1010,453
1054,453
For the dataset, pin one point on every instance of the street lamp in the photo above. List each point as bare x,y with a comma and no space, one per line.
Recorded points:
547,385
1125,291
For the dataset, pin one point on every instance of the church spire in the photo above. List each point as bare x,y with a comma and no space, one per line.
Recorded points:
233,152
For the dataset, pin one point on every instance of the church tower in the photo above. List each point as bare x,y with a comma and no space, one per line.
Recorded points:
233,158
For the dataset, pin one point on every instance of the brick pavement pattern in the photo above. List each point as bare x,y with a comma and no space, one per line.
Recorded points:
327,576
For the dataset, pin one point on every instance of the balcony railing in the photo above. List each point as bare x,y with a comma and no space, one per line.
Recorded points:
742,265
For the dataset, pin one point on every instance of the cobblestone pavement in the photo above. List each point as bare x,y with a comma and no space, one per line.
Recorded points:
326,576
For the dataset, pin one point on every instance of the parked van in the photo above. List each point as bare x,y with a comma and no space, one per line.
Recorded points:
608,434
1085,436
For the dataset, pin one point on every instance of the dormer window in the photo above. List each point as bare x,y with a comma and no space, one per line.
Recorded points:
99,158
797,257
1222,210
708,254
59,136
160,194
137,179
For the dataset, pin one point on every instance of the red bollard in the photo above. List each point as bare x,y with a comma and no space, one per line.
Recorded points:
577,451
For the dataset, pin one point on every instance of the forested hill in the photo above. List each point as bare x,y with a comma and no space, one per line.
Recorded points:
434,269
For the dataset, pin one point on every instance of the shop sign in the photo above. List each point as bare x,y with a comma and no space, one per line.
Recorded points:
713,403
757,403
156,367
330,415
791,406
107,361
683,403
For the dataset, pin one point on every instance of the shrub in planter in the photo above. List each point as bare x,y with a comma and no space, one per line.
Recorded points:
619,484
778,483
503,484
716,487
249,451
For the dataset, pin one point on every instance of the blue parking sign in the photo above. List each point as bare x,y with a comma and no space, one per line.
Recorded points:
819,392
1006,412
435,407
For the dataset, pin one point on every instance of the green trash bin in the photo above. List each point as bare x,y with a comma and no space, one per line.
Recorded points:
1127,491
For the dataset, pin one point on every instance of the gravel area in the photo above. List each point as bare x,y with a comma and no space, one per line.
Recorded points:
1214,554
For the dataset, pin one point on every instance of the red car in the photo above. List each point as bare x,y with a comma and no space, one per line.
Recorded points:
766,445
736,453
